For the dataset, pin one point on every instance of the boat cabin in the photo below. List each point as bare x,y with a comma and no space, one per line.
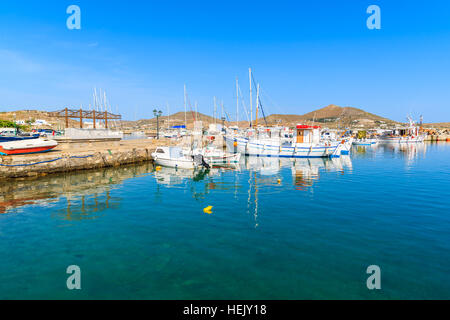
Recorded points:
308,134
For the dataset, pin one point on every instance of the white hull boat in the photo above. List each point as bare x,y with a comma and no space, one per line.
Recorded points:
402,140
295,150
215,156
27,146
173,157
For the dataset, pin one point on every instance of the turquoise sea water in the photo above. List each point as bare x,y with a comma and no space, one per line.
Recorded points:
279,229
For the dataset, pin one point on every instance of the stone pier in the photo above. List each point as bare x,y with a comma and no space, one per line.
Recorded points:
79,156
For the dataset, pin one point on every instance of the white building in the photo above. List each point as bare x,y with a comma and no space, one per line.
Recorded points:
40,122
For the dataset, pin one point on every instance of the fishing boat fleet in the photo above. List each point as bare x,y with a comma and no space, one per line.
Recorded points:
305,140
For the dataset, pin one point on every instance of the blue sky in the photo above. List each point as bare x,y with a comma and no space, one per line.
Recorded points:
305,55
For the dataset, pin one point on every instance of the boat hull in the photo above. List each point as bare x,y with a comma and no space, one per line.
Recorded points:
228,159
25,150
175,163
401,140
255,148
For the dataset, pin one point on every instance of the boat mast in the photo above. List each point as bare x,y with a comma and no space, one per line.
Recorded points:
196,110
237,102
257,105
168,116
215,111
185,118
251,102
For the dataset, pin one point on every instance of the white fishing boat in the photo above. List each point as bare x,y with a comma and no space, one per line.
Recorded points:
176,157
395,138
334,136
305,144
173,157
410,134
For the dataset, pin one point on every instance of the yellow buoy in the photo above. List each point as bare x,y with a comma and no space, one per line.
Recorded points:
279,181
208,210
158,168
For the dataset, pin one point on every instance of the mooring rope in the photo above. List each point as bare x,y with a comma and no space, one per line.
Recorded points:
47,161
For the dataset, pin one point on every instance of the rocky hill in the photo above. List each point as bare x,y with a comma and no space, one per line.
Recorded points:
330,116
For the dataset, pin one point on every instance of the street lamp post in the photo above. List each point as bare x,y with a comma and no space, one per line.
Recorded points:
157,114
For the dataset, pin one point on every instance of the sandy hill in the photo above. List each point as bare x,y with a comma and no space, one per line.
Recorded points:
32,115
172,120
332,116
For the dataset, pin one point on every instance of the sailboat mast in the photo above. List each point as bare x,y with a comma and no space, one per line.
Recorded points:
237,101
251,99
168,117
215,110
257,105
185,118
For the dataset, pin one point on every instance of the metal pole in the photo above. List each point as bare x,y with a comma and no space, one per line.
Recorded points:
185,118
157,127
257,105
237,101
251,99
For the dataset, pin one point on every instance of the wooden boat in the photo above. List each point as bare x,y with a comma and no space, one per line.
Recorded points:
174,157
27,146
306,144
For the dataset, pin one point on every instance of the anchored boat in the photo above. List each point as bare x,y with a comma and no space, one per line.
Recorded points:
175,157
306,144
411,134
27,146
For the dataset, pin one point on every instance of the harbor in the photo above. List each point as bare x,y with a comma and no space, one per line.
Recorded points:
224,159
271,220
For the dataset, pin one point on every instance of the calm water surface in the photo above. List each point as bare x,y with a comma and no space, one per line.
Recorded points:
279,229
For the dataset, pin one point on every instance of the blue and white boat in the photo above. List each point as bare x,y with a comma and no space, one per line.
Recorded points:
305,144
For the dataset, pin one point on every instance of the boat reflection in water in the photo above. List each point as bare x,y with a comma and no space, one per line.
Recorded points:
86,193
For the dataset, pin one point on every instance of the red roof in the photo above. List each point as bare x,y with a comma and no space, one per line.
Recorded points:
304,126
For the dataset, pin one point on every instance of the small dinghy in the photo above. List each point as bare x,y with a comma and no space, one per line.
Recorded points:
27,146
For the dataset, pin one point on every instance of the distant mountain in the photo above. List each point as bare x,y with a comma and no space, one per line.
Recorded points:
172,120
331,116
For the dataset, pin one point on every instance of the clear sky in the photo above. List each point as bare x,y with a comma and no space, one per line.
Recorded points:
305,55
